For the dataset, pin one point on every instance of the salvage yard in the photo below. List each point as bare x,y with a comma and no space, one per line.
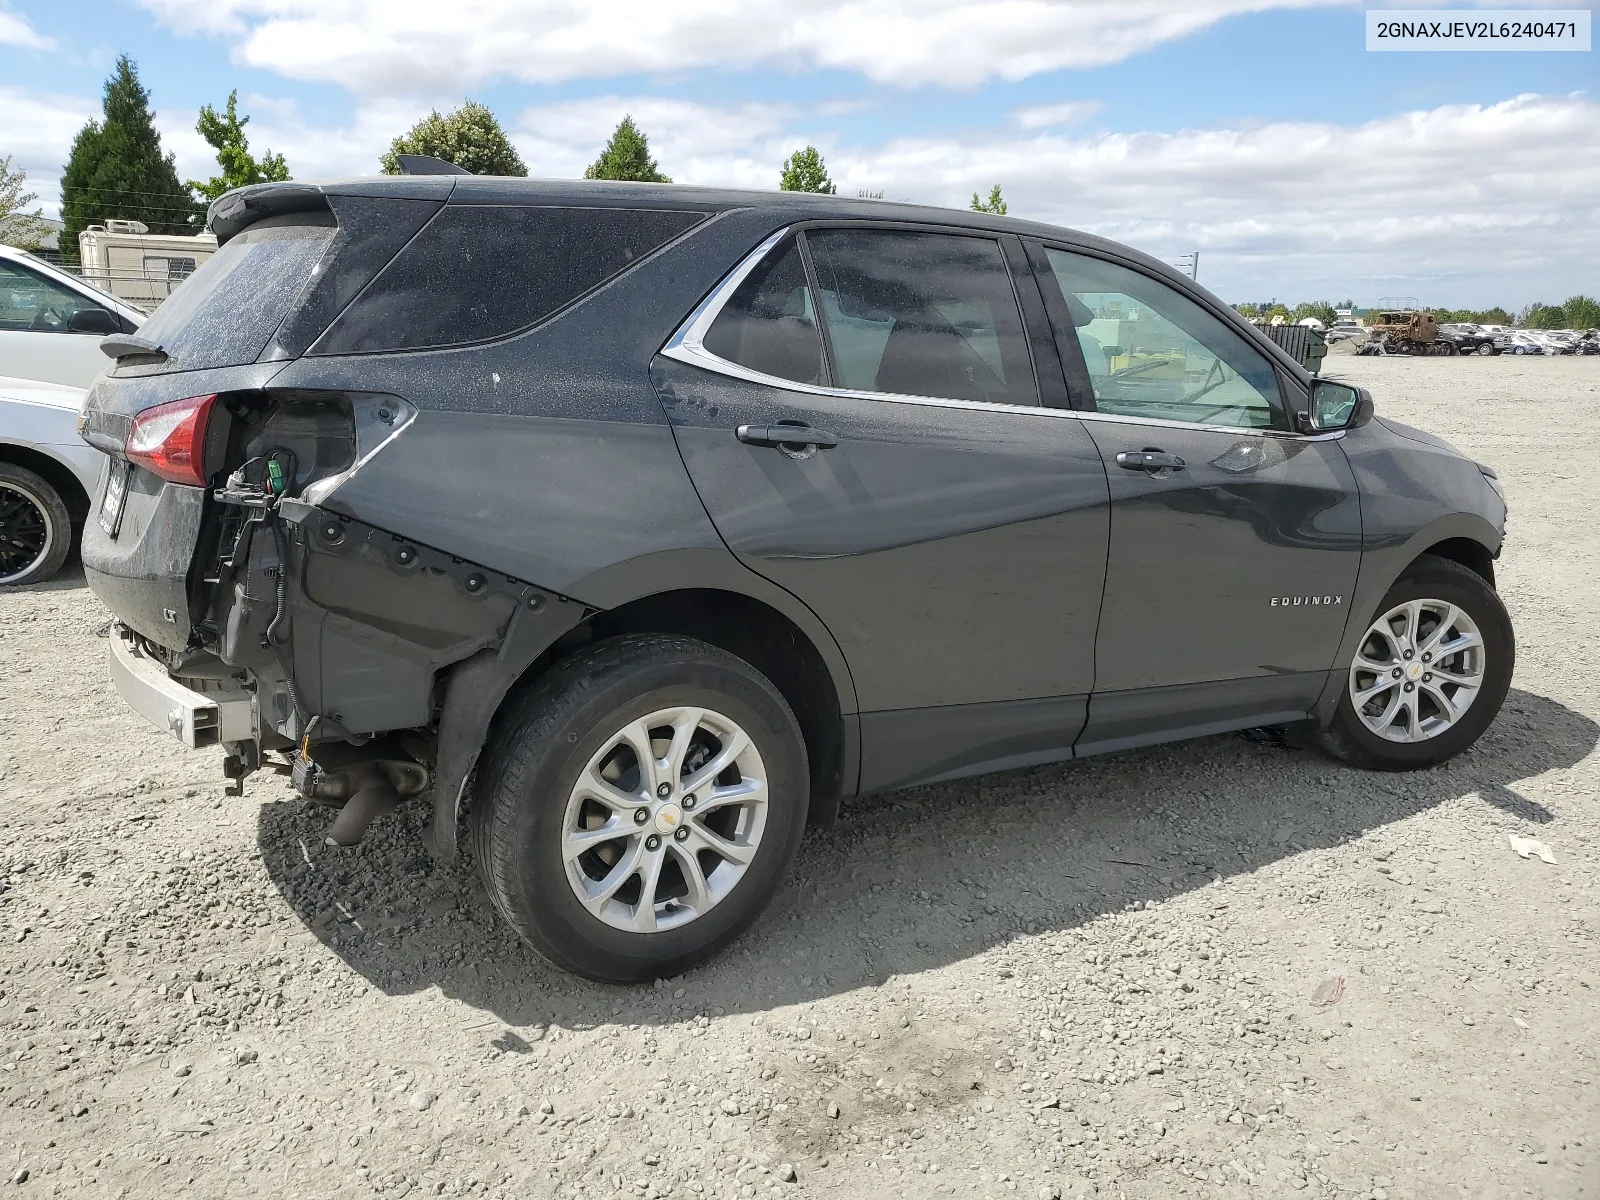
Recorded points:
1221,968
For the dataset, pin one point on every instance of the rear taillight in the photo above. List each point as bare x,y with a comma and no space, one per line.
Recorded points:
170,439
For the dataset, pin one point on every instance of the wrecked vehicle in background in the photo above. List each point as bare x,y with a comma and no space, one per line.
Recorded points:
1406,331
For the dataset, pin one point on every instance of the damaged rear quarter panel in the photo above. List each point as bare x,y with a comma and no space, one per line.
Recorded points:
546,456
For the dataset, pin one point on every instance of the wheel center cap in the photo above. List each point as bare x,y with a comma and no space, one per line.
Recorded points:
668,818
1414,671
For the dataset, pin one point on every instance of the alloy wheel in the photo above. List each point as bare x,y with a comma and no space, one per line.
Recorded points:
1417,671
27,533
665,819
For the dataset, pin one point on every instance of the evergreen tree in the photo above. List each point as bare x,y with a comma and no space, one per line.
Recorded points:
803,171
225,132
18,226
117,169
470,137
626,156
994,204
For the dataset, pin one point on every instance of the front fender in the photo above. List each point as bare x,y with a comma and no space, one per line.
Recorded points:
1381,566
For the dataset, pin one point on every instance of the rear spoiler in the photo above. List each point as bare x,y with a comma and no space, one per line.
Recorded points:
231,214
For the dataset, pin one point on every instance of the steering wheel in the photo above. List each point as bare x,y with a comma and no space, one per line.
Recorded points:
46,320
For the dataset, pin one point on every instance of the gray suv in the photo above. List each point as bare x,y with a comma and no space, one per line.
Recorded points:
641,525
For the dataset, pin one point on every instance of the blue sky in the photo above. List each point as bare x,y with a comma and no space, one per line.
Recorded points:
1262,133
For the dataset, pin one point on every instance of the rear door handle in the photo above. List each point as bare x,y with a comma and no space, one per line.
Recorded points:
1150,461
786,435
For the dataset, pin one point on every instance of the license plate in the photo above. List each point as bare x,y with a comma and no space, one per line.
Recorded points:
116,496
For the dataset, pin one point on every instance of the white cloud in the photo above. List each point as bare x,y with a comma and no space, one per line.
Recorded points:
401,46
1462,204
15,31
1044,116
36,129
313,151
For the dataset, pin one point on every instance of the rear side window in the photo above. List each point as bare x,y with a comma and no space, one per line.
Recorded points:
478,272
768,325
922,314
226,312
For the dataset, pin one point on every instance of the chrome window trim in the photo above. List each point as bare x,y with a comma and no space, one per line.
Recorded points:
687,345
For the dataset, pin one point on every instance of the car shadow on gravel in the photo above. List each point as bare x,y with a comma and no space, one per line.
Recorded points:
914,880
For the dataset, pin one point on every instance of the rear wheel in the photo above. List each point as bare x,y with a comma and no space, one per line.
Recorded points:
1430,673
641,806
35,527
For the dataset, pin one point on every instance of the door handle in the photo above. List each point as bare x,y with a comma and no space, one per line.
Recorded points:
1149,461
786,436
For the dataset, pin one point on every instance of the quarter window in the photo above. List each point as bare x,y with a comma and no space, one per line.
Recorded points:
1152,352
481,271
921,314
33,303
768,325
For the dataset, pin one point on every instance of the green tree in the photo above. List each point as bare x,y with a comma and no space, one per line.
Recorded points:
1474,316
1583,312
626,156
1544,316
470,137
803,171
225,133
994,204
116,168
1248,311
19,227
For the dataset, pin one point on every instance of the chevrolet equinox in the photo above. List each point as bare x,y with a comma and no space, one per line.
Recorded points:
642,524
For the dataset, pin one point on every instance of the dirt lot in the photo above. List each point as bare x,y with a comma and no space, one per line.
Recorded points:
1087,979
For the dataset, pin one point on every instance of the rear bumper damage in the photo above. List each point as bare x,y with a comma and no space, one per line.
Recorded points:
381,660
197,719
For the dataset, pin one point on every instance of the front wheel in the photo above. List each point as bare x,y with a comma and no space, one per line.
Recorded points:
1485,348
640,806
1430,673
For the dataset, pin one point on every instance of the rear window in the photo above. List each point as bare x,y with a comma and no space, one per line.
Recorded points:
226,312
478,272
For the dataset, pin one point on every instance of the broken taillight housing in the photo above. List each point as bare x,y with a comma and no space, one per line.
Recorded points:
170,440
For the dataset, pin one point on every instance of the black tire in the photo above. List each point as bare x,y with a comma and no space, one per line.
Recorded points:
1485,348
35,527
546,738
1431,578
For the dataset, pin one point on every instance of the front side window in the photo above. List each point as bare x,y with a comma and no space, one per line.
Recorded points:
1153,352
921,314
768,324
33,303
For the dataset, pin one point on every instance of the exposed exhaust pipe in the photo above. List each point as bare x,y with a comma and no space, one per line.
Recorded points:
367,791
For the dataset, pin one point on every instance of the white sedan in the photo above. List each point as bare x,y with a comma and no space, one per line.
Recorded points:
47,475
51,322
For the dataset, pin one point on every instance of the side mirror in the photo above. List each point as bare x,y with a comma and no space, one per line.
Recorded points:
93,320
1335,406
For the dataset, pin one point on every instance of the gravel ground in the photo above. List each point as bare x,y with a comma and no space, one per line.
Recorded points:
1088,979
